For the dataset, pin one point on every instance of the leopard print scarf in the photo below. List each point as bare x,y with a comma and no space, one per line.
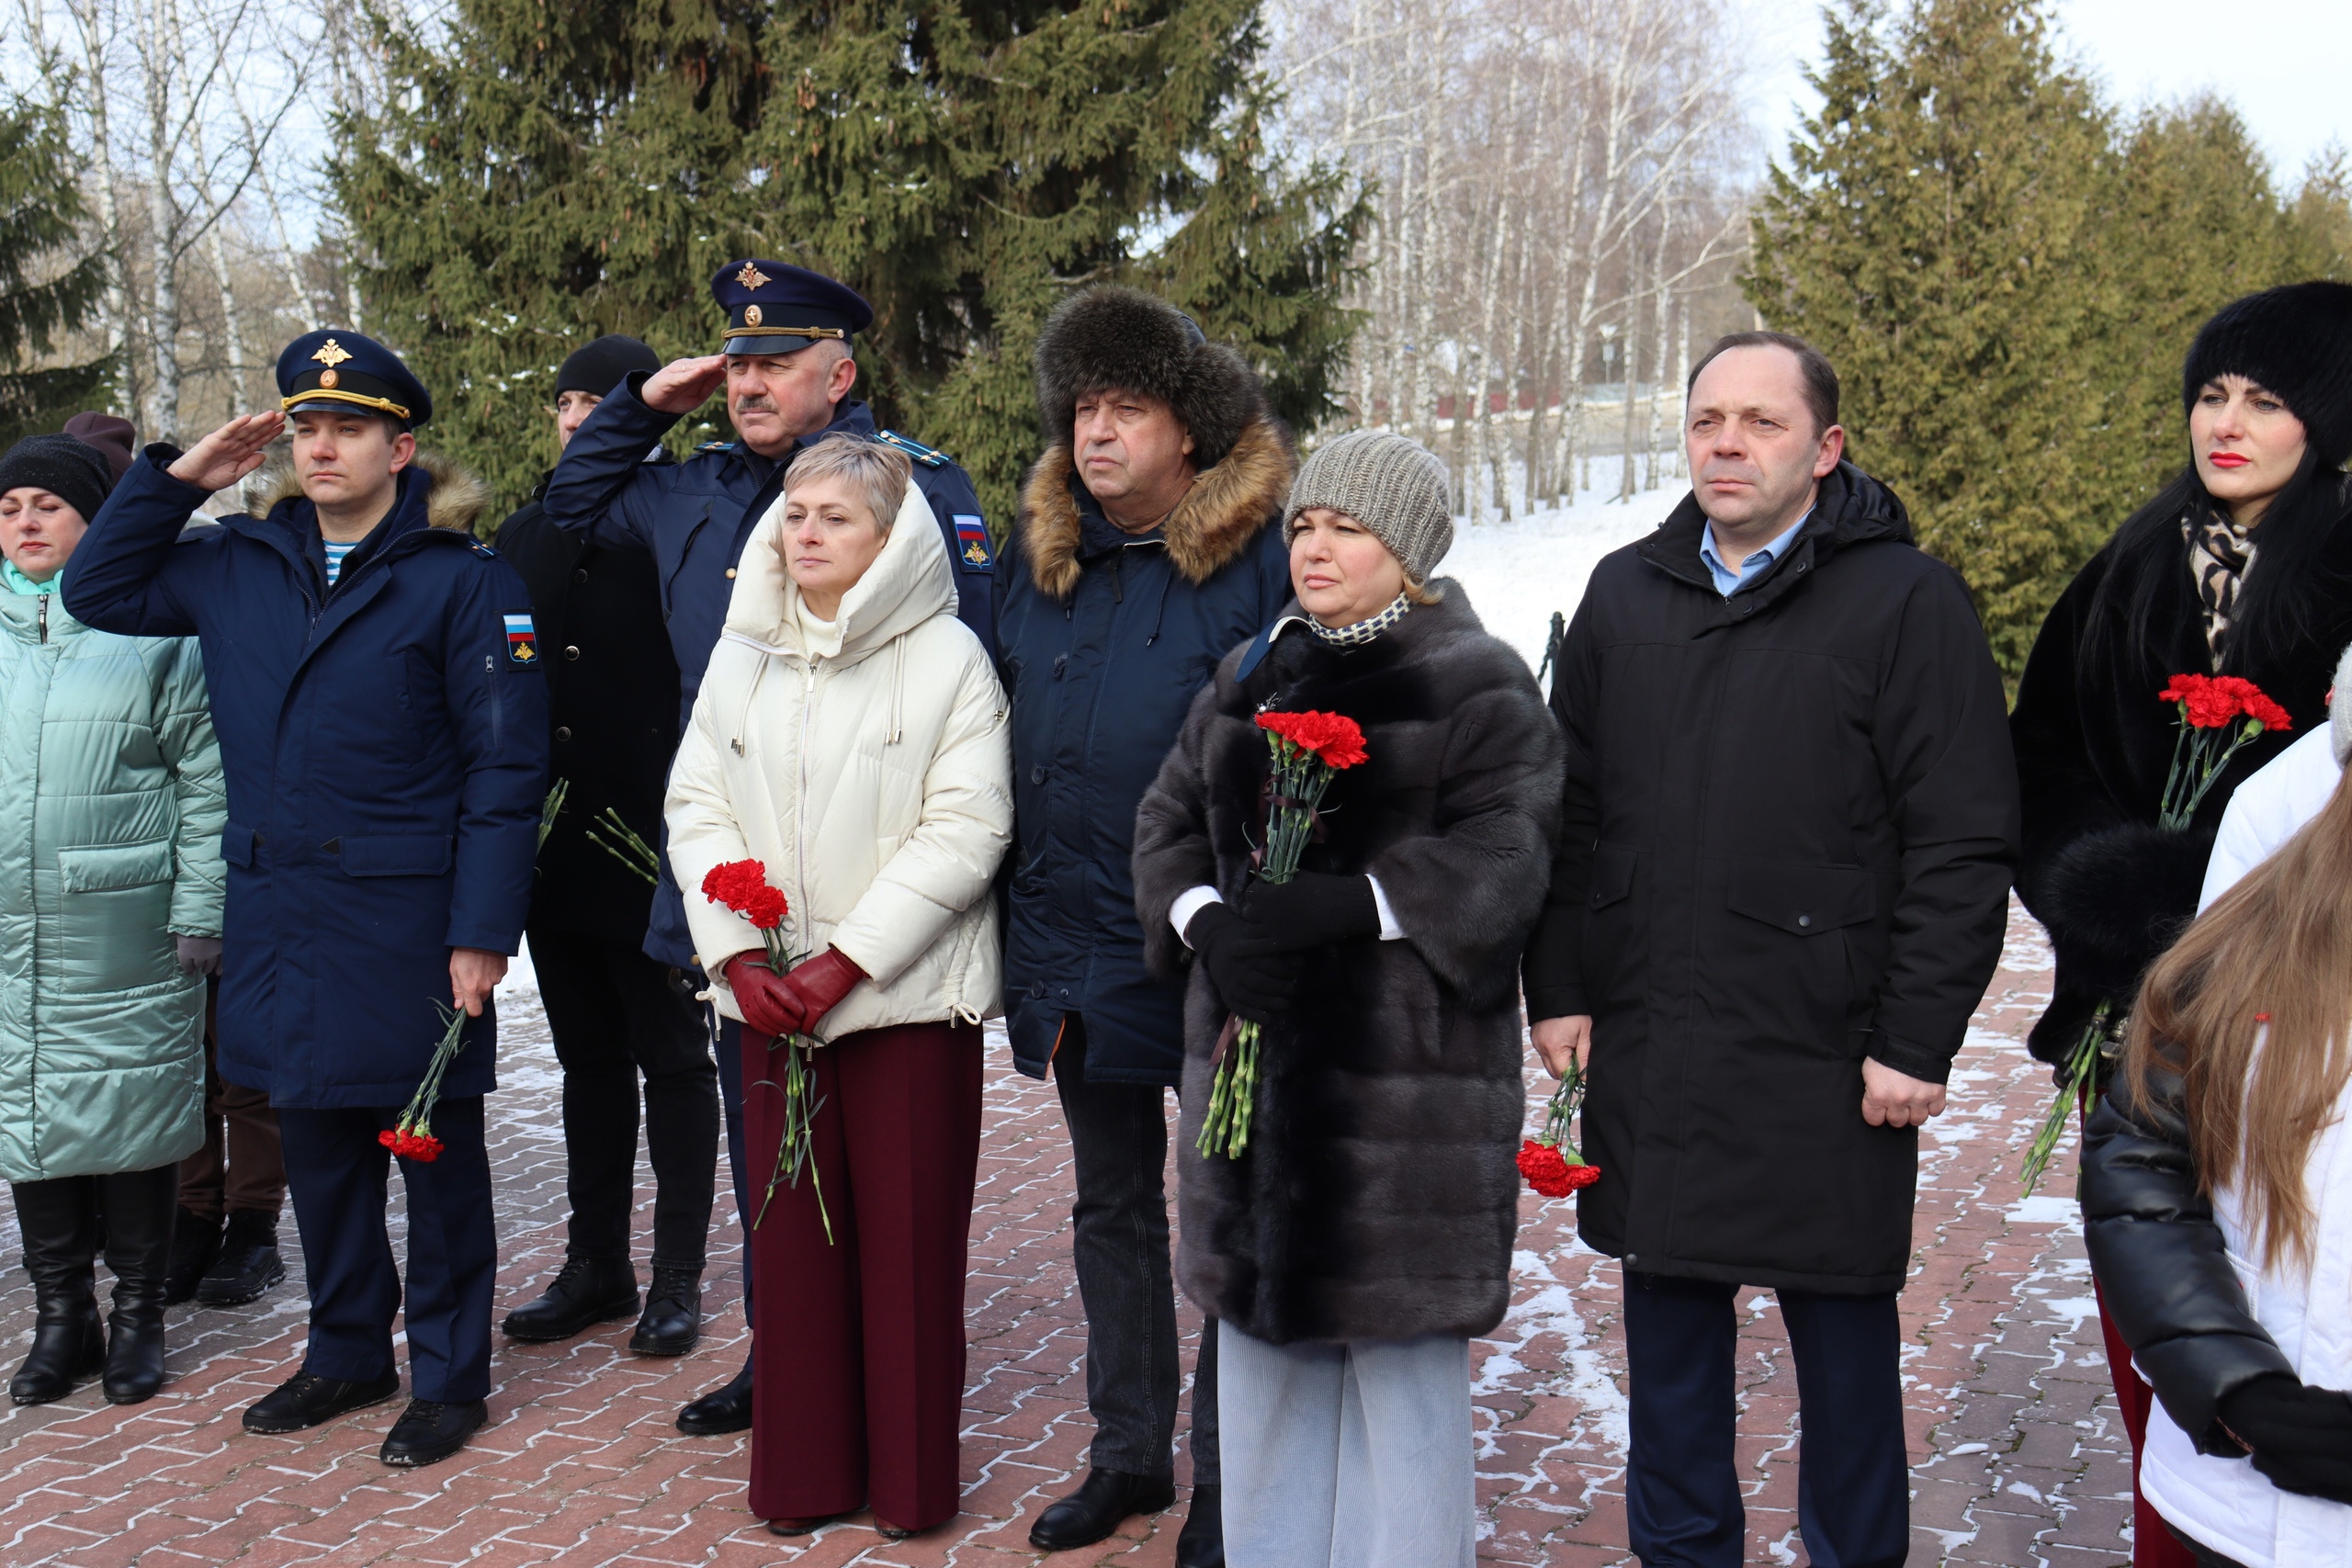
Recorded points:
2220,556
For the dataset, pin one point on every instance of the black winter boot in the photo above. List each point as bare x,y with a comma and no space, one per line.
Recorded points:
60,1223
138,1208
196,1242
587,1291
673,1318
249,1263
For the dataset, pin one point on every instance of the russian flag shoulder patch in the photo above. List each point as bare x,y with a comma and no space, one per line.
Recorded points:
972,542
522,638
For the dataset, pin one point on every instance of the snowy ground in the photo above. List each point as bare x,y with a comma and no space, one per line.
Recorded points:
1516,573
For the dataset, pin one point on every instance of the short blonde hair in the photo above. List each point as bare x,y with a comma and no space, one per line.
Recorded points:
880,470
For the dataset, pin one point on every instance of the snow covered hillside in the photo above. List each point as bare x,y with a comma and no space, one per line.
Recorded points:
1518,572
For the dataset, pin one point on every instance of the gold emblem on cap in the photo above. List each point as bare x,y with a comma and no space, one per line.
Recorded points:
751,315
750,277
327,378
330,354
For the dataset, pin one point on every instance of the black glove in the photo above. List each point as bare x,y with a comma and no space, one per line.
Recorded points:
1312,909
1253,975
2301,1438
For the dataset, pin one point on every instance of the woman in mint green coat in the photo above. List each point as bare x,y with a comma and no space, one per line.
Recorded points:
111,892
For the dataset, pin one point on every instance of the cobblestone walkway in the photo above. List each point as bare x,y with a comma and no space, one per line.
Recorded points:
2018,1458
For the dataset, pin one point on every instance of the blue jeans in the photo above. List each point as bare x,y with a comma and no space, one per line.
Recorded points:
1682,1504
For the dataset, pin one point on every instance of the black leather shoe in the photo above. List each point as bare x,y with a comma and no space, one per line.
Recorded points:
69,1344
196,1242
1200,1543
429,1431
249,1263
304,1401
587,1291
672,1319
722,1410
1103,1499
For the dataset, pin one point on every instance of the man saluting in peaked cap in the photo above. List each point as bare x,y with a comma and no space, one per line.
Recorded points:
787,363
383,728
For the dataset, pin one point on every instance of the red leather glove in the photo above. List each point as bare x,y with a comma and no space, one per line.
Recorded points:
762,996
818,986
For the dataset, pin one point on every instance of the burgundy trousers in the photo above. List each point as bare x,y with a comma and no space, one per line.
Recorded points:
2153,1543
857,1398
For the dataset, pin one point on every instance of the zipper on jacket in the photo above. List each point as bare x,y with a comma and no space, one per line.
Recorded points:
497,707
800,799
43,601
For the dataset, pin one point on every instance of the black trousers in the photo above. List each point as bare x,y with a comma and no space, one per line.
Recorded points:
616,1015
1682,1504
1118,1133
339,1175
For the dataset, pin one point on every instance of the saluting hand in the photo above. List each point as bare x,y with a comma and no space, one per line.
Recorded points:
684,385
230,453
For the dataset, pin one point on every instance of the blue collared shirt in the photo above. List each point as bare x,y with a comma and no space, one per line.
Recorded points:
1727,581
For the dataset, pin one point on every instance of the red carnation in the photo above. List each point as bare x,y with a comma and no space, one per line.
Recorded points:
1546,1170
1582,1175
733,883
423,1148
1333,738
2208,702
765,908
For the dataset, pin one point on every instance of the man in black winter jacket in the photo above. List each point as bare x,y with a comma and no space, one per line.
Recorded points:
1791,821
615,1012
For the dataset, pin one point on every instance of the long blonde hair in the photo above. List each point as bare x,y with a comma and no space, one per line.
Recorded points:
2274,954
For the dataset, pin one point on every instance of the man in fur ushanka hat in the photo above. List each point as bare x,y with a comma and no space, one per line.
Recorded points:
1146,550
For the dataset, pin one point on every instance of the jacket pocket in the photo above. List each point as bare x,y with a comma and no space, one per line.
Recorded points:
237,846
398,854
103,869
1804,900
1612,875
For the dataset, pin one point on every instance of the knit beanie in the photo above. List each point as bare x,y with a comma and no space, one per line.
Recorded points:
598,366
71,470
113,435
1391,484
2295,340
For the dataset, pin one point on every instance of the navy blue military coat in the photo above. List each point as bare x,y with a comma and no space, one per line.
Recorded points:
386,748
694,516
1105,639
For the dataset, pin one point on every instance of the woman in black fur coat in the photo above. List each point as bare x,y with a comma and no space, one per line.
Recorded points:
2241,566
1365,1233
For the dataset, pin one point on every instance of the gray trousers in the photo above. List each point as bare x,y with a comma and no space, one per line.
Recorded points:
1351,1455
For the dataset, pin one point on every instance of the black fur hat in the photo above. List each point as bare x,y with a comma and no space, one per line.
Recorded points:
1107,338
2296,341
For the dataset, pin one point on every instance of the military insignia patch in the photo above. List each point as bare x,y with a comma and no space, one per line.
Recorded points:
752,316
972,541
522,641
330,354
751,277
328,379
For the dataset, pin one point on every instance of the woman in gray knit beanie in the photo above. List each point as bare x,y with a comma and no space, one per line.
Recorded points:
1364,1239
1369,519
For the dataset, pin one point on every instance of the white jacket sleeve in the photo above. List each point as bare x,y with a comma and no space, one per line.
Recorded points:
704,833
2269,809
947,865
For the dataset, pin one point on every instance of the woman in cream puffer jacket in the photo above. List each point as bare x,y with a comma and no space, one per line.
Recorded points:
850,736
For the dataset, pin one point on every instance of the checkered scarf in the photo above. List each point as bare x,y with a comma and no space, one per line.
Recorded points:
1363,631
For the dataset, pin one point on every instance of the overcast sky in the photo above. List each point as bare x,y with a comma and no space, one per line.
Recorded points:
2282,63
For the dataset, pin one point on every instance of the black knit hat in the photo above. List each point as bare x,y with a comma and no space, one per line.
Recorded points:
74,471
115,437
1107,338
598,366
2295,340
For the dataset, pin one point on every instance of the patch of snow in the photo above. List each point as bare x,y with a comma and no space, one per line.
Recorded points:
1516,573
2045,1209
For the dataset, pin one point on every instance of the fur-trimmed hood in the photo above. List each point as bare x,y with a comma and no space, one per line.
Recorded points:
1210,528
455,501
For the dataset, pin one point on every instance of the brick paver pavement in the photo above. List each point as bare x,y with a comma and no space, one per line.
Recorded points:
2018,1458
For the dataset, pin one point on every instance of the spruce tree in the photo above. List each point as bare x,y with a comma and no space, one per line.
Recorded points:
46,292
961,165
1929,234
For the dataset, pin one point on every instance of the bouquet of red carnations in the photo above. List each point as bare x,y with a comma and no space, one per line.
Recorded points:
412,1137
1549,1160
743,885
2219,715
1309,749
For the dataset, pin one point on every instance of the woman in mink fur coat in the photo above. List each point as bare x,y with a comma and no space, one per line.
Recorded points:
1365,1233
2243,566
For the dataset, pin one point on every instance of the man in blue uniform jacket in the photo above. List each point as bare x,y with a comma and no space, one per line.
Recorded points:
785,363
376,685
